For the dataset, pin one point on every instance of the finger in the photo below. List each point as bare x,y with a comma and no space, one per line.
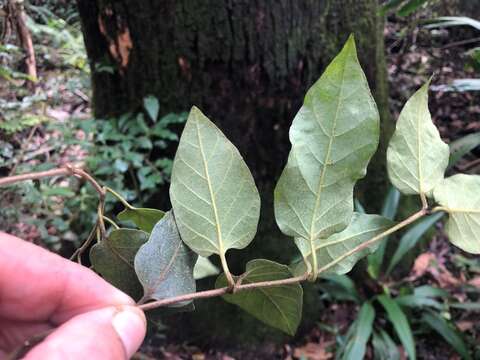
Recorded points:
37,285
108,333
13,333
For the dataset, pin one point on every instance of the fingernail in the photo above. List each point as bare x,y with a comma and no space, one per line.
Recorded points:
130,325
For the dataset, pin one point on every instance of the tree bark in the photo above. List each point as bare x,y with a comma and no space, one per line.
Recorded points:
245,63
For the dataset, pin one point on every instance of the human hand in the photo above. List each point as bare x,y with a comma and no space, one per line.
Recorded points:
41,291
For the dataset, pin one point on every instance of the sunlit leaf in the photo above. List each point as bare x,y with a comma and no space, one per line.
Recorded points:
204,268
144,218
459,195
278,306
164,265
333,137
113,259
362,228
213,194
416,156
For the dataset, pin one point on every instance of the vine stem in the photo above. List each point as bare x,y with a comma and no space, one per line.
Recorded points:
222,291
292,280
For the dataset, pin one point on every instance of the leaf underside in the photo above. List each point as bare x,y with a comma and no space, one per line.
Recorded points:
204,268
362,228
416,155
460,196
213,194
113,259
164,265
333,137
279,306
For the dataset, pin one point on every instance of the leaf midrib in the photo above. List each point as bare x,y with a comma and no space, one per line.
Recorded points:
212,195
324,169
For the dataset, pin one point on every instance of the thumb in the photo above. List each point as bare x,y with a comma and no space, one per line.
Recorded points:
108,333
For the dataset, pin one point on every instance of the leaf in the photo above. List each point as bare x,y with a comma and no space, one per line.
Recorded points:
411,238
416,156
204,268
385,348
164,265
400,324
447,21
447,330
461,147
410,7
113,259
362,228
390,5
144,218
357,345
277,306
333,137
341,287
213,194
150,103
459,196
389,210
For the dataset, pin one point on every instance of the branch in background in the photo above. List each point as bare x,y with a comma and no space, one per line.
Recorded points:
68,170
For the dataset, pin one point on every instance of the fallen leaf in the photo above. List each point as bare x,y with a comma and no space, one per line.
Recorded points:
314,351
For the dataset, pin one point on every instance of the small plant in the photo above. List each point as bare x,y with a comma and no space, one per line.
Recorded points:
216,205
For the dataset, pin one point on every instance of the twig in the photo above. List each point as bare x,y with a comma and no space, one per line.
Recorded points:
221,291
293,280
65,171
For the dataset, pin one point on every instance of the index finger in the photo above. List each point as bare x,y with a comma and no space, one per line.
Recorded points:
37,285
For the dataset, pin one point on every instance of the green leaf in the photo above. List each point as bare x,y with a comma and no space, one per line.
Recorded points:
150,103
410,7
333,137
343,287
357,344
411,238
113,259
461,147
390,5
384,347
144,218
400,324
466,306
164,265
389,210
277,306
416,156
459,196
362,228
213,194
204,268
448,331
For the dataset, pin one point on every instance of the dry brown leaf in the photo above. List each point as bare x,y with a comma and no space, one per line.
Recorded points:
464,325
314,351
475,282
422,264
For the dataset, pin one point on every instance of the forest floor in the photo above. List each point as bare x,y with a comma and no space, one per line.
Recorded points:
413,55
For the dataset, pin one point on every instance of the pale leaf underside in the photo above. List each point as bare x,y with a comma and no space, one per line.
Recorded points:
333,137
164,265
416,156
213,194
362,228
459,195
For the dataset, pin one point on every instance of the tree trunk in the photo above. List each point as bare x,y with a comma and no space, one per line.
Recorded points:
245,63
